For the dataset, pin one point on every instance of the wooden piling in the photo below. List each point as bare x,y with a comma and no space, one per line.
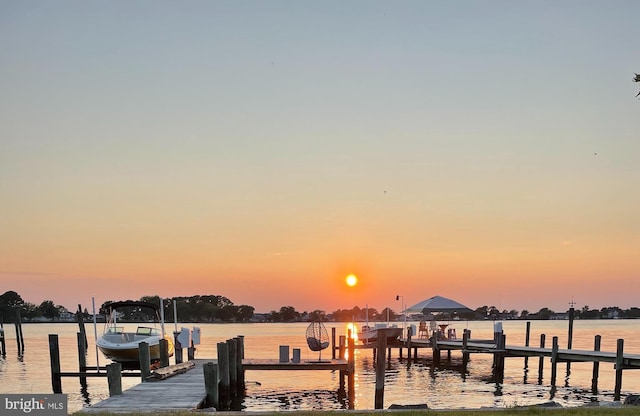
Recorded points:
409,336
211,384
554,361
19,337
570,335
351,376
82,356
434,348
144,356
239,357
619,367
380,368
465,351
80,320
224,387
233,375
191,353
527,336
164,353
541,360
596,365
114,378
177,348
54,356
333,343
342,345
3,347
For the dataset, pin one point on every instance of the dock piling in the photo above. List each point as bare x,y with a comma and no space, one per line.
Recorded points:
380,368
619,367
211,384
541,360
554,361
114,378
596,365
144,357
224,396
54,355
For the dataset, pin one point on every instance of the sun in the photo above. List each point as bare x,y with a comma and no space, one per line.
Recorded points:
352,280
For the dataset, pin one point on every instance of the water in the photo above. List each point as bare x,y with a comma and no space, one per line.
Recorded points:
442,387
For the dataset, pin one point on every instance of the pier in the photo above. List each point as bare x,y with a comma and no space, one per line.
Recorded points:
219,383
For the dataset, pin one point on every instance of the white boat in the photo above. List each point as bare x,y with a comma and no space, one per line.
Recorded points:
120,344
369,334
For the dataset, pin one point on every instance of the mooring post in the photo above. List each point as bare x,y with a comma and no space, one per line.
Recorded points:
82,356
351,377
541,360
526,343
570,335
333,343
233,358
409,336
435,349
80,319
342,342
3,349
54,356
619,368
223,374
114,378
380,368
144,356
211,384
596,365
164,352
239,357
465,350
19,337
554,361
177,348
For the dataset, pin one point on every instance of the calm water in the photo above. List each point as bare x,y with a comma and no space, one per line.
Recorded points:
442,387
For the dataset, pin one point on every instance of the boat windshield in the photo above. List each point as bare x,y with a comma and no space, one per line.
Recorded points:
115,330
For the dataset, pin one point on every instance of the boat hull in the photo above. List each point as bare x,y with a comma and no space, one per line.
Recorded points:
128,353
370,335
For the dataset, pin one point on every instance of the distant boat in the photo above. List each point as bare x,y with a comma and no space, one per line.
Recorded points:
121,345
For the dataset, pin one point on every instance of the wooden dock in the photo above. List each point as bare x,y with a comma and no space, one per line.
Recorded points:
186,391
181,392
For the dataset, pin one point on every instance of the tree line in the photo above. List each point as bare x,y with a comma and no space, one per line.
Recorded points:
216,308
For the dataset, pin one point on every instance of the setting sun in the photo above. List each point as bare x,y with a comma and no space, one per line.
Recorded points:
352,280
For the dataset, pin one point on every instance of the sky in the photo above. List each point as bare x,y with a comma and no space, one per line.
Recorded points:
485,151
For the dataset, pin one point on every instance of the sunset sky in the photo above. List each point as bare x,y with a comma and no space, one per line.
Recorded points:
486,151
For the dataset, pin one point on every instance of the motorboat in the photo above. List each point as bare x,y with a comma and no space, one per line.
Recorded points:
369,334
121,344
